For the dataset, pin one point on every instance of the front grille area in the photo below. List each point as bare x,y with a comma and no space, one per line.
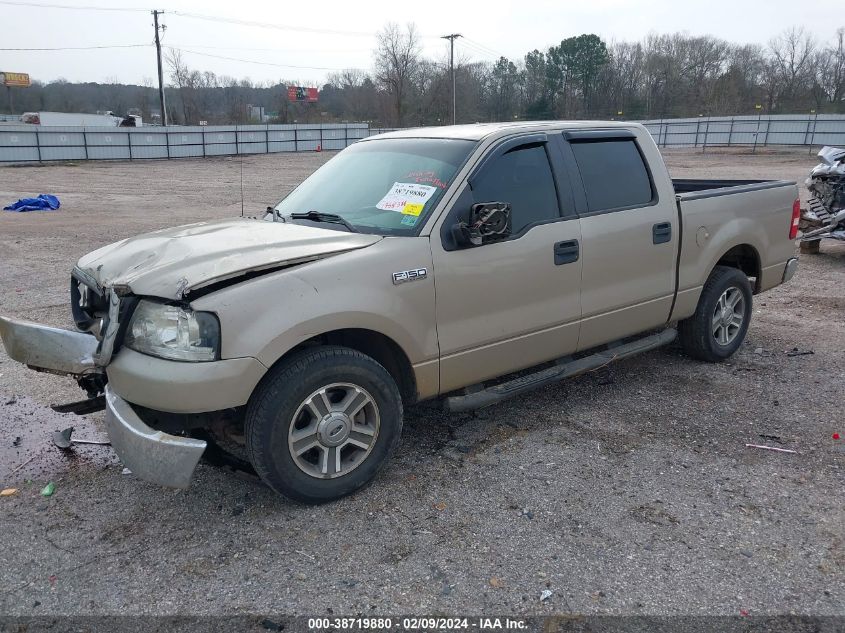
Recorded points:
88,304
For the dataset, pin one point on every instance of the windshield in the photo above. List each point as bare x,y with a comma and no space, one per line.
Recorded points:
386,186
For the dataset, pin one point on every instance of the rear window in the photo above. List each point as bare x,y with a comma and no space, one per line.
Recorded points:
614,174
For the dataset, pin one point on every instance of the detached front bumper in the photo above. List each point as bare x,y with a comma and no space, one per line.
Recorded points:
47,348
152,455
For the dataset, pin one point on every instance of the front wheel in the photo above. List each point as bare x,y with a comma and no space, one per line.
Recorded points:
323,423
721,320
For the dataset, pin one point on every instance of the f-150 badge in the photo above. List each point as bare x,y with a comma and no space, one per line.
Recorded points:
410,275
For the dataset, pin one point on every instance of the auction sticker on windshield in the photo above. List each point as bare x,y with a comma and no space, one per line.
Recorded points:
404,194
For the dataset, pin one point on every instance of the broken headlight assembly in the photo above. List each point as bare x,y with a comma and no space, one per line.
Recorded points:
173,332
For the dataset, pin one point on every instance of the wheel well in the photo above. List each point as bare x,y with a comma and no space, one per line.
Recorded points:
745,258
377,346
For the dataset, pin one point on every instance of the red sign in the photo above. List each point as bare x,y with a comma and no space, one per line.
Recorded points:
300,93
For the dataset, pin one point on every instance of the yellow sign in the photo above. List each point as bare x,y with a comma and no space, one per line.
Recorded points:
758,107
20,80
412,208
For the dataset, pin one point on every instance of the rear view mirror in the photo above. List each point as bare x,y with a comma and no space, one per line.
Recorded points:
488,222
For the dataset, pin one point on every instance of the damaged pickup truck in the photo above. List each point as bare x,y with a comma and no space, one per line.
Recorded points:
416,265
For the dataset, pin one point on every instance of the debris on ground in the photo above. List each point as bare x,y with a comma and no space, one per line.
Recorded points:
8,492
17,441
48,490
11,400
496,582
796,352
63,440
770,438
545,595
125,471
836,436
771,448
43,202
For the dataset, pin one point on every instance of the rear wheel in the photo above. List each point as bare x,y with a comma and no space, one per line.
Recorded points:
323,423
722,316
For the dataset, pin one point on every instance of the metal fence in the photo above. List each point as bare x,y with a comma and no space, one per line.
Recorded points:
23,143
745,131
754,131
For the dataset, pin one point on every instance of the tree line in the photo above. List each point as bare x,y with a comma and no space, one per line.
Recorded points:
662,76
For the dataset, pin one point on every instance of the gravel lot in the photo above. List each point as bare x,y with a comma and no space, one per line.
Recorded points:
625,491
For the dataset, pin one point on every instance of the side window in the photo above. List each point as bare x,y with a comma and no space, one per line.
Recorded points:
613,173
522,177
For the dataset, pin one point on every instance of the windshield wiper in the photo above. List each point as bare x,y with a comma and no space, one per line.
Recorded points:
319,216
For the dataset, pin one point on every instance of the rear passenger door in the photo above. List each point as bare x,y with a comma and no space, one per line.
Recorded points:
629,237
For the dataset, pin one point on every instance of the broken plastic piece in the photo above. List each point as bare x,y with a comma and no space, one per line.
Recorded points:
48,490
8,492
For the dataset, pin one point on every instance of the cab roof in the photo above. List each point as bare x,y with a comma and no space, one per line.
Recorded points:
478,131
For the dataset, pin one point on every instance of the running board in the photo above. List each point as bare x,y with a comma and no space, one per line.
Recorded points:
518,386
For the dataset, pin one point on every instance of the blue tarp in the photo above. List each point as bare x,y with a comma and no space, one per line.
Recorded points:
44,202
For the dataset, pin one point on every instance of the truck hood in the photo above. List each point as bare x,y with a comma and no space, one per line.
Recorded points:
170,263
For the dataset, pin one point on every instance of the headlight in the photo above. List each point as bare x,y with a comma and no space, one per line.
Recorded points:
172,332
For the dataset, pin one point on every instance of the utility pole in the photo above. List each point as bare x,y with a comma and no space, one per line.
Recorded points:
451,37
160,73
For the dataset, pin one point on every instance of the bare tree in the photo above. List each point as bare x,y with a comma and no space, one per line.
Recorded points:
397,60
792,62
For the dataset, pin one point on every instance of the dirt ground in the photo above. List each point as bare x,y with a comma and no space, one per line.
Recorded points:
625,491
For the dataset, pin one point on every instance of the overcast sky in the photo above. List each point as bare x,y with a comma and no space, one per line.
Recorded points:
492,28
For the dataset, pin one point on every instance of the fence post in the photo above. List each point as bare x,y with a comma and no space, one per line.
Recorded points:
766,135
85,142
295,139
266,138
731,131
321,137
38,143
345,135
697,126
129,142
204,153
706,130
237,142
167,141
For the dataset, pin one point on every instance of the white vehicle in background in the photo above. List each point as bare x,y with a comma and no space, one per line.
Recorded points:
80,119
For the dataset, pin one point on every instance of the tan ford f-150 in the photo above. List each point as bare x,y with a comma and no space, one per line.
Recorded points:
414,265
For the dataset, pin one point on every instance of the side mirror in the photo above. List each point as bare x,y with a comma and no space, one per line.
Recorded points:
488,222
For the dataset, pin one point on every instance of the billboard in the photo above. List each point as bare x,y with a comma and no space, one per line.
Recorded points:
20,80
301,93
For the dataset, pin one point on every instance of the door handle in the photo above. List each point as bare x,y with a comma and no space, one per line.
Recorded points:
661,233
566,252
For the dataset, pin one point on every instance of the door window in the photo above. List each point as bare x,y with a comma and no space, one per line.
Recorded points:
523,177
613,173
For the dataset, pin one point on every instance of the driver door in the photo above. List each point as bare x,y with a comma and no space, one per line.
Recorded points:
510,304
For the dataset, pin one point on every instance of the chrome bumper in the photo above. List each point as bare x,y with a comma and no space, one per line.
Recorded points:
48,348
790,270
151,455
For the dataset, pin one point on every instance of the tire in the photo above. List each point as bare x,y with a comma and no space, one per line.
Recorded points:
297,433
704,335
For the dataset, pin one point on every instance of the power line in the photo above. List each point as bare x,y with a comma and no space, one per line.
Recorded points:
78,48
481,46
254,61
45,5
268,25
